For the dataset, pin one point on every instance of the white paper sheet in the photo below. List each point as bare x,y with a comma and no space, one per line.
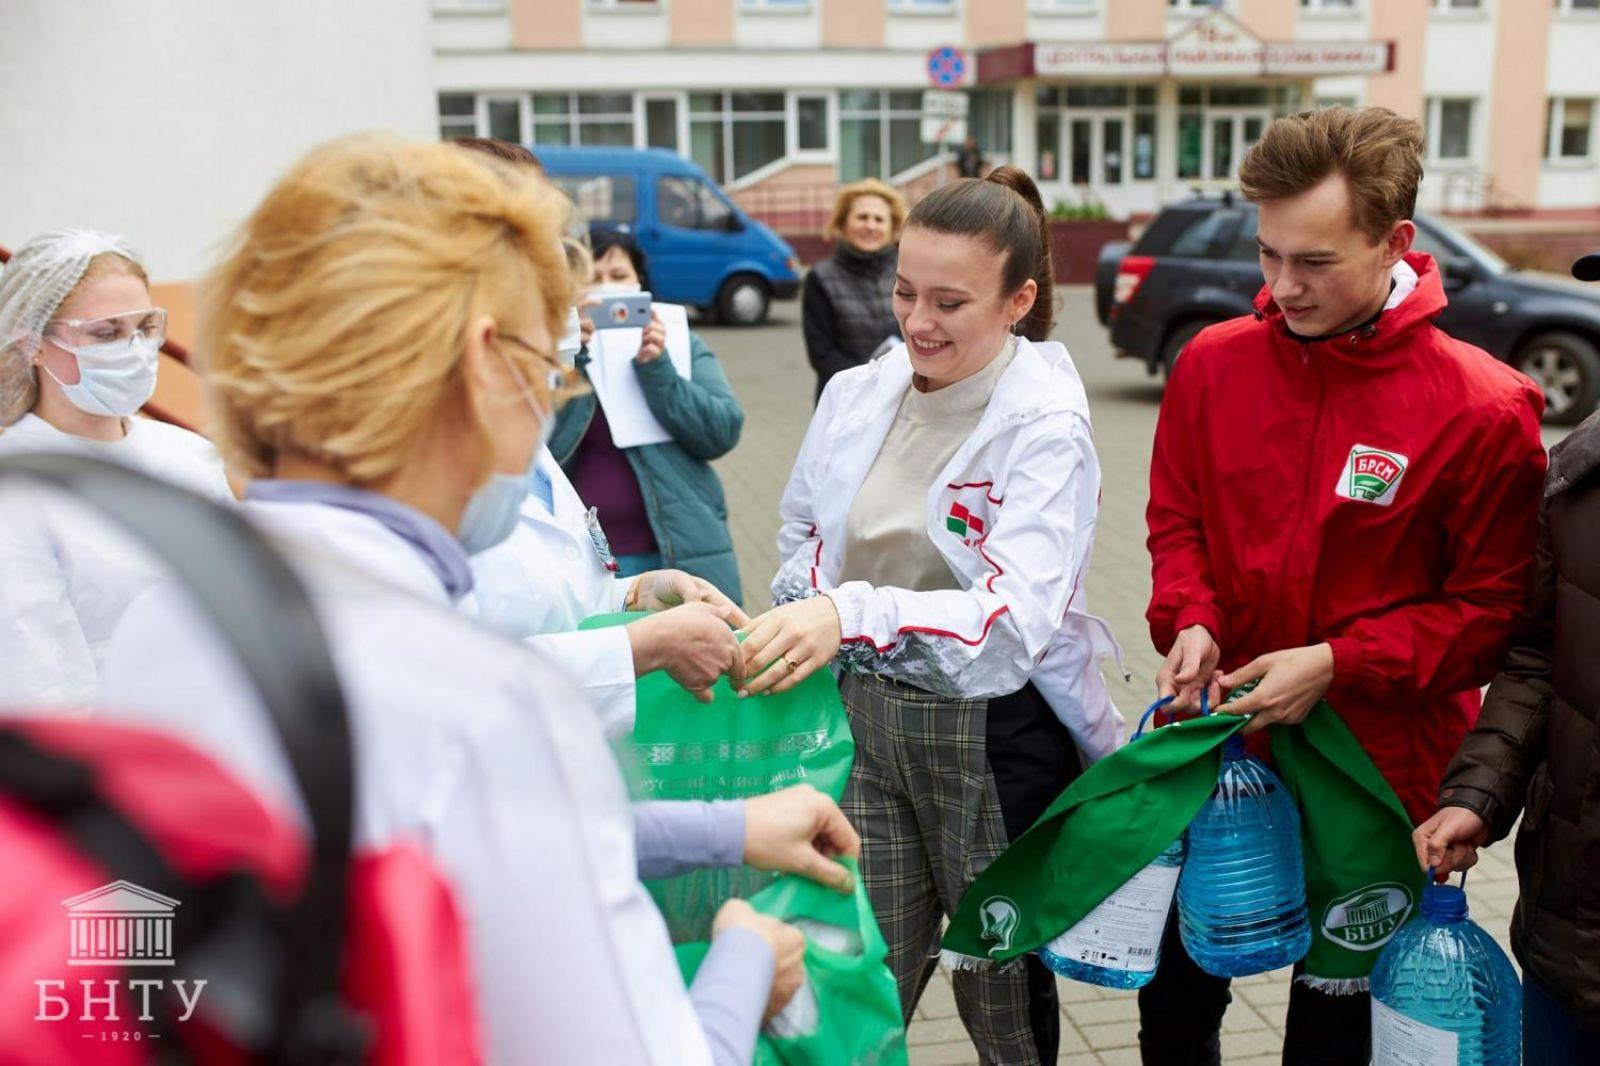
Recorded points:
616,385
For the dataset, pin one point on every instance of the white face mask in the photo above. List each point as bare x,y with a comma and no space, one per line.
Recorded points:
616,288
114,379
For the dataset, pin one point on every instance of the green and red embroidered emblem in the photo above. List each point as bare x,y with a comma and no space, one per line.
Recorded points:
961,521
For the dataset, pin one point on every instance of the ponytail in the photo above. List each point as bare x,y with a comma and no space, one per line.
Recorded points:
1006,212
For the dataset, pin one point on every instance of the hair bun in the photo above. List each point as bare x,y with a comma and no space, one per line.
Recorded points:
1018,181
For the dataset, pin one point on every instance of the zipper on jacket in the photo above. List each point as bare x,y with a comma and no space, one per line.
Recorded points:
647,488
1305,483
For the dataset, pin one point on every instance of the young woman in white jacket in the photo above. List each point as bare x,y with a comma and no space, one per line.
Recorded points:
936,532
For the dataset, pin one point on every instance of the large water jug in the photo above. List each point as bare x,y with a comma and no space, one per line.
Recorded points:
1118,944
1242,895
1444,993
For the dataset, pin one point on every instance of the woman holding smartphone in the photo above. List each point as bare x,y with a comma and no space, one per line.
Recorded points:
661,505
936,531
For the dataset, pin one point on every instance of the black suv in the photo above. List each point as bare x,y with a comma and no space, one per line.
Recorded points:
1197,263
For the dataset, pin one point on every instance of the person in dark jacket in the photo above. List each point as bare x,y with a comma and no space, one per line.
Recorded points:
847,312
1536,751
661,505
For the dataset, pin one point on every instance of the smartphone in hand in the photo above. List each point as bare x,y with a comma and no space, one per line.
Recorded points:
622,311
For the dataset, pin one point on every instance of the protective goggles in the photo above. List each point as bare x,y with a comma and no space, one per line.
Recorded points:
149,324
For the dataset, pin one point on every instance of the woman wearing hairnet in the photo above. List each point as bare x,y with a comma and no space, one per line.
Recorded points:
78,354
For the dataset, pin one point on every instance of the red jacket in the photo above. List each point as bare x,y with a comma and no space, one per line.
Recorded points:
1378,491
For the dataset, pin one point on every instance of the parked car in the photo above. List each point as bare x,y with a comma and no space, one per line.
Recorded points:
1196,263
703,250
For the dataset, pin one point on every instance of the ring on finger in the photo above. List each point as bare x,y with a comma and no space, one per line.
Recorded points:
791,664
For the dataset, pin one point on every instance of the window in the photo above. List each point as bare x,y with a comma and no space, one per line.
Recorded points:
880,133
732,135
941,6
1457,5
458,116
1110,133
1569,121
604,119
989,119
1243,247
1327,5
601,198
503,115
689,203
1335,101
811,123
774,5
1193,5
1062,7
1578,5
1450,127
1196,240
622,5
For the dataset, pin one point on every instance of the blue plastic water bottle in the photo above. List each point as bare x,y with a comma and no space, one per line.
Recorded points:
1242,896
1118,944
1444,993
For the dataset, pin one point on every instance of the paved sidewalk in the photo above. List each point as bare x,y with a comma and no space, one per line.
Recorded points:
769,373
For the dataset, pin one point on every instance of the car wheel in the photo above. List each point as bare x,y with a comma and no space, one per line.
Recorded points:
1566,367
1178,338
743,301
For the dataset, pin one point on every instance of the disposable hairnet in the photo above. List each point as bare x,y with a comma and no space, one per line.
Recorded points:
32,286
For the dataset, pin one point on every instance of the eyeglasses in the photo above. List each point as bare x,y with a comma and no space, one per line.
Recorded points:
555,376
149,324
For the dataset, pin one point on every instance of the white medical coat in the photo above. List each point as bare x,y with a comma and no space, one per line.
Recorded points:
475,746
66,575
545,579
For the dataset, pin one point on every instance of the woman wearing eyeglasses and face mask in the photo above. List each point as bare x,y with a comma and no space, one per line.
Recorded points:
381,359
79,343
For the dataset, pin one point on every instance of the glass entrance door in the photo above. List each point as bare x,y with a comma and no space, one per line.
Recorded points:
1228,135
1096,150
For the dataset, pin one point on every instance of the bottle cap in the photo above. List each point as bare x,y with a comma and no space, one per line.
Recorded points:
1445,902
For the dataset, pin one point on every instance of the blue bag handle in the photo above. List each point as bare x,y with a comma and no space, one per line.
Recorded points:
1149,712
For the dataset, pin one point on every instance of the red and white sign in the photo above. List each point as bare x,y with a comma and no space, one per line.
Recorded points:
1216,45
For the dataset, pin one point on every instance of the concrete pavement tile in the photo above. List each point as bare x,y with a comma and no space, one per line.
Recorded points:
1111,1035
938,999
961,1054
1241,1018
1122,1056
936,1031
1242,1045
1078,992
1082,1058
1104,1010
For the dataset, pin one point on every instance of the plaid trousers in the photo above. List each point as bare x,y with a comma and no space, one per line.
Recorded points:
925,800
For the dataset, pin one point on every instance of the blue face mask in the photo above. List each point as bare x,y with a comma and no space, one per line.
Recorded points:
491,514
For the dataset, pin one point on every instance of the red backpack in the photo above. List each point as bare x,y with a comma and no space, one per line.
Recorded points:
155,910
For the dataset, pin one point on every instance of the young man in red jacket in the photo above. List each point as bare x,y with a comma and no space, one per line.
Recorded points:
1342,503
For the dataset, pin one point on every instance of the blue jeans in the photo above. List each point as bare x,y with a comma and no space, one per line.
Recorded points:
1551,1036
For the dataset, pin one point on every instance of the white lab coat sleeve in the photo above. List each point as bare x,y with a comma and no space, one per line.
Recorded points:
800,574
574,962
600,663
45,661
619,593
985,640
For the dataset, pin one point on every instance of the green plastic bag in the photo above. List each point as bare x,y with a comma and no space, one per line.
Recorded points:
853,1015
730,748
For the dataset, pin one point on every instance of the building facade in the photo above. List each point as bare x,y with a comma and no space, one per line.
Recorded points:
1125,104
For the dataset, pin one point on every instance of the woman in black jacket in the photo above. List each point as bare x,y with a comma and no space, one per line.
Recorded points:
847,312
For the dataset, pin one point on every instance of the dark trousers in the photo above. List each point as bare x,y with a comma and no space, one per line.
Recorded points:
1033,759
1181,1009
1551,1036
